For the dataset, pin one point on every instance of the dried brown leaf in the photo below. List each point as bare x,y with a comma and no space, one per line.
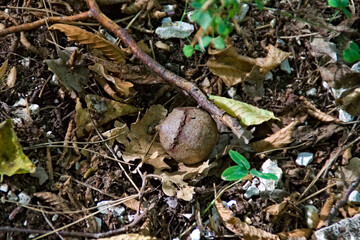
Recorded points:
338,75
11,79
316,113
94,41
272,60
236,226
297,234
350,101
3,69
141,144
279,139
129,236
325,211
229,66
54,200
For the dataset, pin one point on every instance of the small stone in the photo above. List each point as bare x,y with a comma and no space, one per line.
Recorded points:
356,67
11,196
312,216
251,191
115,211
34,109
243,11
4,188
54,217
98,222
20,103
270,166
269,76
354,197
172,202
24,198
195,234
311,92
304,158
232,92
345,116
231,203
285,66
175,30
41,174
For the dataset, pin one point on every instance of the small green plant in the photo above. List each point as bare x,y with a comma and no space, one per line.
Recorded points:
242,169
341,5
215,15
352,53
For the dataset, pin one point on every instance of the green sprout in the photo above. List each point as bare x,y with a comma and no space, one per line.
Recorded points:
242,169
341,5
352,53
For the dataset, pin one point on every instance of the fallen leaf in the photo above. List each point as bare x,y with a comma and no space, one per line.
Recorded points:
338,75
350,101
316,113
296,234
74,79
348,173
277,140
325,211
141,144
320,47
94,41
105,109
3,69
12,158
272,60
129,236
246,113
236,226
11,79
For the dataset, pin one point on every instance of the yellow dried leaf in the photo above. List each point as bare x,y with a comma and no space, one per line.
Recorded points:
94,41
12,158
236,226
279,139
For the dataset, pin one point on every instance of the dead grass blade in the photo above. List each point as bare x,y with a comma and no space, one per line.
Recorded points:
94,41
236,226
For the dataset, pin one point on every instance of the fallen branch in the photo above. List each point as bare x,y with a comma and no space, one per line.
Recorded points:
189,87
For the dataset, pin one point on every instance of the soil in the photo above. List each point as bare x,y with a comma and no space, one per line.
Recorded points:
81,180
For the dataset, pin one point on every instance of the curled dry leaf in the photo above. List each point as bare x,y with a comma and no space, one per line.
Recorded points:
279,139
94,41
338,75
236,226
11,79
54,200
316,113
272,60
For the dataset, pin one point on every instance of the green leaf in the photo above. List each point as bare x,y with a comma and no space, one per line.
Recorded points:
188,50
246,113
206,41
338,3
198,48
259,4
204,20
219,43
12,158
239,159
234,173
352,53
268,176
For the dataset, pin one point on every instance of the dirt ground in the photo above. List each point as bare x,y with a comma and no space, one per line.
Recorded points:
79,175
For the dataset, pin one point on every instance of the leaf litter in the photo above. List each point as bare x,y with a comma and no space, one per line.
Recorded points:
121,100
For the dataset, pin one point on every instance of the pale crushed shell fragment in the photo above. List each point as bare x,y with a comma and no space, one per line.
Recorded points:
175,30
163,46
312,216
270,166
24,198
354,197
304,158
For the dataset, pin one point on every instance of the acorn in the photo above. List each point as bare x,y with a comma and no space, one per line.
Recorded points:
188,134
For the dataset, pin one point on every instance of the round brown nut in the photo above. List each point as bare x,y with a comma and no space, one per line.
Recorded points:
188,134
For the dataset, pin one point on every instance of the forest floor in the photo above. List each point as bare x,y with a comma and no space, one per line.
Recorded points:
59,130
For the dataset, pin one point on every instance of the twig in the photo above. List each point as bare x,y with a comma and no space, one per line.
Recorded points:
343,200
